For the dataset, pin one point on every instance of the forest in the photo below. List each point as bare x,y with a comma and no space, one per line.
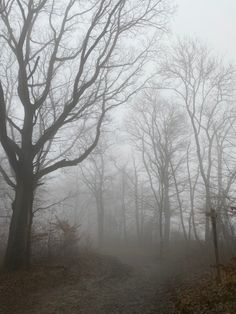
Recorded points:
117,161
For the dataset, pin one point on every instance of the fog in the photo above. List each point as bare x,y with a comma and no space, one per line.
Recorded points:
117,156
211,21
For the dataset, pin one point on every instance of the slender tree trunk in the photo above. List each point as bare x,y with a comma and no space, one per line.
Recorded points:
223,218
192,187
166,214
124,223
167,228
123,194
18,247
161,232
100,219
136,198
194,227
216,248
179,202
190,226
142,216
207,219
137,216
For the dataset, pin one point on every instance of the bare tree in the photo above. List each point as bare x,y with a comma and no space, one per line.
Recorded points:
204,86
156,128
225,172
96,178
70,64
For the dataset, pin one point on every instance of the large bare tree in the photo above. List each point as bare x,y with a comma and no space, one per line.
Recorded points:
64,65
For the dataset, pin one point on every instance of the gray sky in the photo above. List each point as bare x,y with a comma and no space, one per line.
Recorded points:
214,21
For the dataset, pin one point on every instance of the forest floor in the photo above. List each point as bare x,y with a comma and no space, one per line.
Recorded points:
103,284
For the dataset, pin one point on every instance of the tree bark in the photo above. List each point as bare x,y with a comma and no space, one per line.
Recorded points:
18,248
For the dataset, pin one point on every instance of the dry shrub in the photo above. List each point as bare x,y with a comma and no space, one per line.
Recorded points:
205,296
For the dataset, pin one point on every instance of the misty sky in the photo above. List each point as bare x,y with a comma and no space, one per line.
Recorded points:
214,21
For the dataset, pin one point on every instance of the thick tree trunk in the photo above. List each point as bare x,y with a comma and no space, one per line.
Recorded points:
18,247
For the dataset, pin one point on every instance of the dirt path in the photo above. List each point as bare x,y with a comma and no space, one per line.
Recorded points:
134,294
118,288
